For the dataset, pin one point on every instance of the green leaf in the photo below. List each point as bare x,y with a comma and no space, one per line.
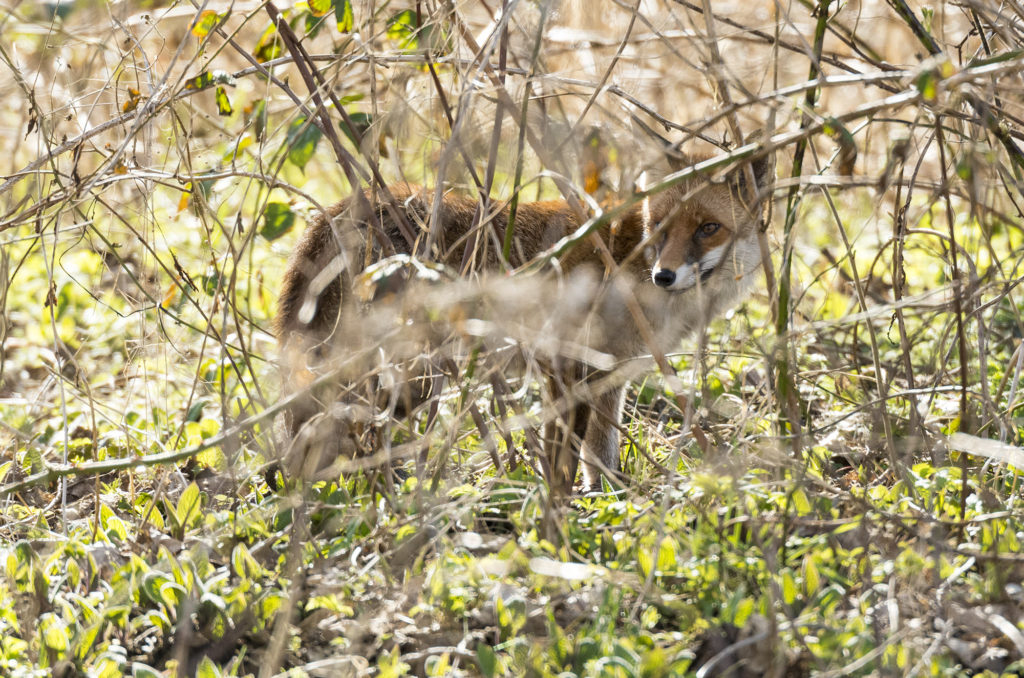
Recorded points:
158,619
588,650
998,58
210,280
118,615
302,140
223,103
927,85
106,666
151,585
487,659
269,46
65,299
964,169
360,122
278,219
116,529
270,605
390,664
351,98
196,410
952,427
144,506
314,24
927,16
283,519
343,15
172,595
172,517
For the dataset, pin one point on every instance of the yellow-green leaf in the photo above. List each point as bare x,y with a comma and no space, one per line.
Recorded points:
244,565
343,15
744,609
206,22
223,103
54,633
189,505
402,29
319,7
645,560
788,588
812,579
667,555
801,503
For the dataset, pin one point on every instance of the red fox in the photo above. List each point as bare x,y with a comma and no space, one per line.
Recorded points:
684,255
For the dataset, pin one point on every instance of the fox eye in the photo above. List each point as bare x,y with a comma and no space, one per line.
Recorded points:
708,228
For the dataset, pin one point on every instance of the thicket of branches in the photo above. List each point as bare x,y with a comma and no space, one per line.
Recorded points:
160,158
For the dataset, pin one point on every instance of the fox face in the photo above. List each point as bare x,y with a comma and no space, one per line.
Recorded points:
694,234
688,256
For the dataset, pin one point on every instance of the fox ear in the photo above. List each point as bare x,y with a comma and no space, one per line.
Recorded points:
764,167
677,160
764,170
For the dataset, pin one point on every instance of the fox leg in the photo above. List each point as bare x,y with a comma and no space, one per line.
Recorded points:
601,443
562,436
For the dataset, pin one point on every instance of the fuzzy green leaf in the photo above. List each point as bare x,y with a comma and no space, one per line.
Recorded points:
302,140
278,219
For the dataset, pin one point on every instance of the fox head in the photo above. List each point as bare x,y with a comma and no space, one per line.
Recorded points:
698,230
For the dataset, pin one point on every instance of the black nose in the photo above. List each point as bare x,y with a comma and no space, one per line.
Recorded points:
664,278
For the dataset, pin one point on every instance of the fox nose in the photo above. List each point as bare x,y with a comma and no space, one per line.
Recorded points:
664,277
